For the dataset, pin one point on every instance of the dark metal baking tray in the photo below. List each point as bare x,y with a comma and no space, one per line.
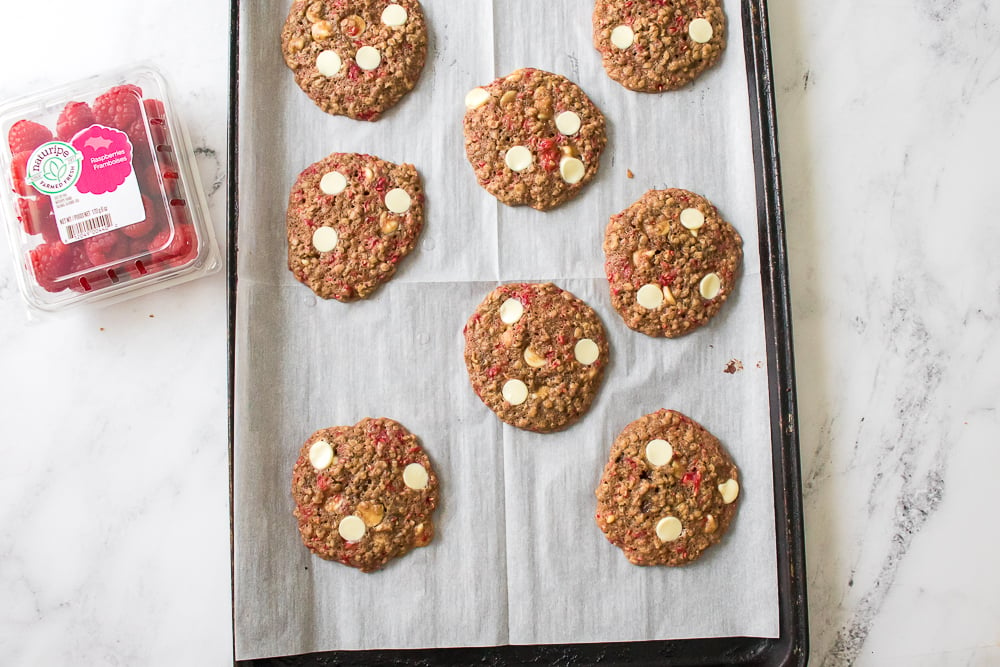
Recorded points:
791,646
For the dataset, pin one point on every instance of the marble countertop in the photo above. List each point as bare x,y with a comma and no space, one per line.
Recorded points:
114,523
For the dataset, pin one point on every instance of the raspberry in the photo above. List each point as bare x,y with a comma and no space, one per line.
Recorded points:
51,262
119,107
18,170
140,141
33,212
75,116
26,135
163,173
154,108
176,251
143,228
101,249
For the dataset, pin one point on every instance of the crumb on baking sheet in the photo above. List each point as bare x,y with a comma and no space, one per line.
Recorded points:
733,366
628,172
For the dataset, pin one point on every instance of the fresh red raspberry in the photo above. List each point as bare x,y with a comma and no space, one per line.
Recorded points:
49,228
103,248
50,263
175,251
18,170
154,108
27,135
33,212
119,107
145,227
75,116
155,174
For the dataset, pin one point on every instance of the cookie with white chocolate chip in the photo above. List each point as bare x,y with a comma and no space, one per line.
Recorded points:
657,45
671,262
364,494
355,58
350,220
669,490
536,355
533,138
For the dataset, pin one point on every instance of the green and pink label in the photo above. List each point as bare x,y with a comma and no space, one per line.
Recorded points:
91,181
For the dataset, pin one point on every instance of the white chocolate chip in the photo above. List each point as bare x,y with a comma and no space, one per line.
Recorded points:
700,30
397,200
329,63
729,489
622,37
511,311
518,158
476,98
325,239
352,528
649,296
659,452
571,170
321,455
568,123
368,58
586,351
668,528
533,359
710,286
515,392
333,183
692,218
415,476
394,15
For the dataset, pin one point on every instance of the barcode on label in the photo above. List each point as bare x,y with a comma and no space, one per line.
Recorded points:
88,227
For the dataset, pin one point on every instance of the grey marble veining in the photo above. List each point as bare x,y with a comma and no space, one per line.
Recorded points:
884,115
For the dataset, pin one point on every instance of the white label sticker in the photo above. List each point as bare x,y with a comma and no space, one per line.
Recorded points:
102,193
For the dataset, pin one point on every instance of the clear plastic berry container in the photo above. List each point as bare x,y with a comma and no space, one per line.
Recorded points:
100,196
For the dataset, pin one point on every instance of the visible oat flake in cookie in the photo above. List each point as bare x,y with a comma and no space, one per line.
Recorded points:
536,355
533,138
355,58
364,494
669,490
671,262
656,45
351,219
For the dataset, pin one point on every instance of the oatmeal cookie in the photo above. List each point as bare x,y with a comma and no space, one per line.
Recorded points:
536,355
671,262
669,490
364,494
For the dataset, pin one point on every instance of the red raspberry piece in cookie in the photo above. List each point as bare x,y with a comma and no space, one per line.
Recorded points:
75,116
120,107
355,58
27,135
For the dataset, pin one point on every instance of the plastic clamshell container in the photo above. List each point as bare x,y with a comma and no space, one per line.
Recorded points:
101,199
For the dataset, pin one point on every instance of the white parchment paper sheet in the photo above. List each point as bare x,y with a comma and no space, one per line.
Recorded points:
517,558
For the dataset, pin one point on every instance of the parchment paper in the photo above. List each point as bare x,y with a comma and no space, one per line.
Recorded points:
517,557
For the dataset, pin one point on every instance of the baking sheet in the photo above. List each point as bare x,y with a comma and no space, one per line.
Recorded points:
518,558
